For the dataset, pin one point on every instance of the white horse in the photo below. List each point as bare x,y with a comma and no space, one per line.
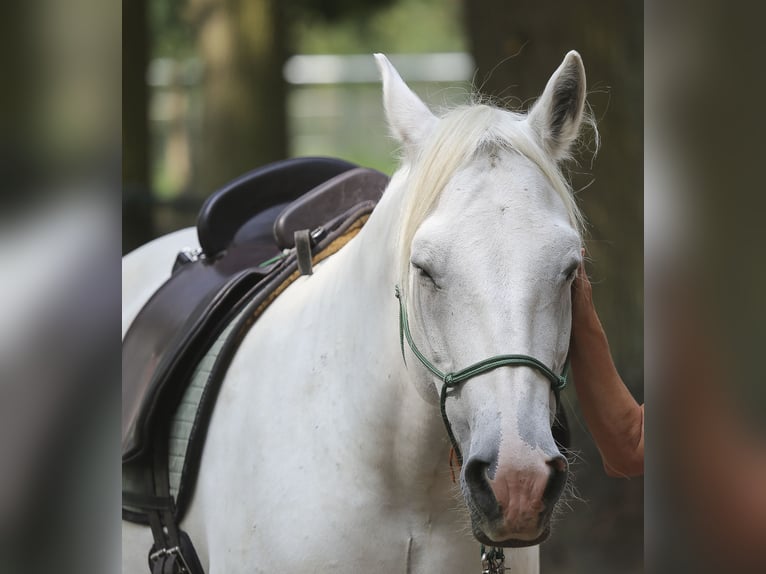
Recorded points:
326,451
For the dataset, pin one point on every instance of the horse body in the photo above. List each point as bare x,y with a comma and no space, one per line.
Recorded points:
327,459
326,452
367,489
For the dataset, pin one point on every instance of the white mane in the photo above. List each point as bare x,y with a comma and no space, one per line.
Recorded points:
463,132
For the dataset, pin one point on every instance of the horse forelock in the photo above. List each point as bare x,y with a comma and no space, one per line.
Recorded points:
464,134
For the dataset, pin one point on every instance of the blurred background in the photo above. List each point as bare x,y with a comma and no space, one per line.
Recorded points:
60,231
214,88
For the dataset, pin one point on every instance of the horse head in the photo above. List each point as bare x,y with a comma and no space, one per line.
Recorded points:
489,246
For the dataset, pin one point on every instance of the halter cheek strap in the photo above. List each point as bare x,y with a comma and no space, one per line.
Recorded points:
455,378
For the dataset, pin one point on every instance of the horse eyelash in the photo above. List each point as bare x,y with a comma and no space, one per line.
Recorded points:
425,274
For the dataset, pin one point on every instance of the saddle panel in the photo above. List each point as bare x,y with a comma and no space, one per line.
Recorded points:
227,210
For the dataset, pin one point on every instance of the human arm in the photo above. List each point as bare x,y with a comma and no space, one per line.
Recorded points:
613,416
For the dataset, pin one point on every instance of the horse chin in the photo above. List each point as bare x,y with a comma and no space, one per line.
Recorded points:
490,529
510,542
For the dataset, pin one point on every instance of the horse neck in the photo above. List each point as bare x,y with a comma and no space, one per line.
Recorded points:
410,451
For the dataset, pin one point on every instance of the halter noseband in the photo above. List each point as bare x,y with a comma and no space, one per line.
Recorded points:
455,378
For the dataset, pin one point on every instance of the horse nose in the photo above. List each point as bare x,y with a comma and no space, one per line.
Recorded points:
557,479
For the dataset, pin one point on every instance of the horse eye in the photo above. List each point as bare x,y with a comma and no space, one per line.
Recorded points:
571,272
423,273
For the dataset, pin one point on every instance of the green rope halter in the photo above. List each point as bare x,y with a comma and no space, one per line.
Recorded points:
453,379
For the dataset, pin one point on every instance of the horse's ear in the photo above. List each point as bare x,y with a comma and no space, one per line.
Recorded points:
557,115
408,117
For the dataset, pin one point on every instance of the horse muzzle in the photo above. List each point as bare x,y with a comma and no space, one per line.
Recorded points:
512,507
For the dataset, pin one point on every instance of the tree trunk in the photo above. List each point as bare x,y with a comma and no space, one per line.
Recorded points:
241,43
137,226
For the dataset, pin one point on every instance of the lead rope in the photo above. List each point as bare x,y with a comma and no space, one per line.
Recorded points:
492,560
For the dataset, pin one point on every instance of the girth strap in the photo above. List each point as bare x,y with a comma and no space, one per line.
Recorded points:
455,378
172,551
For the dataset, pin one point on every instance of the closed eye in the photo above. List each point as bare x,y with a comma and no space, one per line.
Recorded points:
571,271
424,274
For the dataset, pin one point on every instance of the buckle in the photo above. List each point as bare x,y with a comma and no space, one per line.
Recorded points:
175,555
187,255
492,561
317,235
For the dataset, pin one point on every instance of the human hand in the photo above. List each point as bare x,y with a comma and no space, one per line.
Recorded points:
582,299
582,290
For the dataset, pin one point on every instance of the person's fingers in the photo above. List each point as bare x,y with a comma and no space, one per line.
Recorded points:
582,274
581,279
582,292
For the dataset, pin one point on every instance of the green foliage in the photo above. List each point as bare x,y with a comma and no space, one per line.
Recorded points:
414,26
171,32
331,27
333,10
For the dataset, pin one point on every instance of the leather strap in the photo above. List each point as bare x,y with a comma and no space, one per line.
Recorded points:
302,239
172,551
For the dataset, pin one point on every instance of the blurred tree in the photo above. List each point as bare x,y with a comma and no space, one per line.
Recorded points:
137,226
334,10
169,24
242,46
516,47
401,26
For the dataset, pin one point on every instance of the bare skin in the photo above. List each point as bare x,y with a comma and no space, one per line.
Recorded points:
612,414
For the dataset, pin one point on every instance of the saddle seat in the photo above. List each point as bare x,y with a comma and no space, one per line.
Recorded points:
244,209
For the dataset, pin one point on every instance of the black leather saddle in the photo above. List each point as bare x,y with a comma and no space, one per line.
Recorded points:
247,232
242,210
243,230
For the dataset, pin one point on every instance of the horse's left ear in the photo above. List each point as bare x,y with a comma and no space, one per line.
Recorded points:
557,115
408,117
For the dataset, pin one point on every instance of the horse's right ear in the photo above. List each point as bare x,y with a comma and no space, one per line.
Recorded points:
408,117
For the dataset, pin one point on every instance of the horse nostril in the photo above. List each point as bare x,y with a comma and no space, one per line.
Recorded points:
477,481
558,463
476,471
556,480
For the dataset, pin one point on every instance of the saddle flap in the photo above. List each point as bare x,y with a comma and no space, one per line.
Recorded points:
229,208
177,351
327,202
173,328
